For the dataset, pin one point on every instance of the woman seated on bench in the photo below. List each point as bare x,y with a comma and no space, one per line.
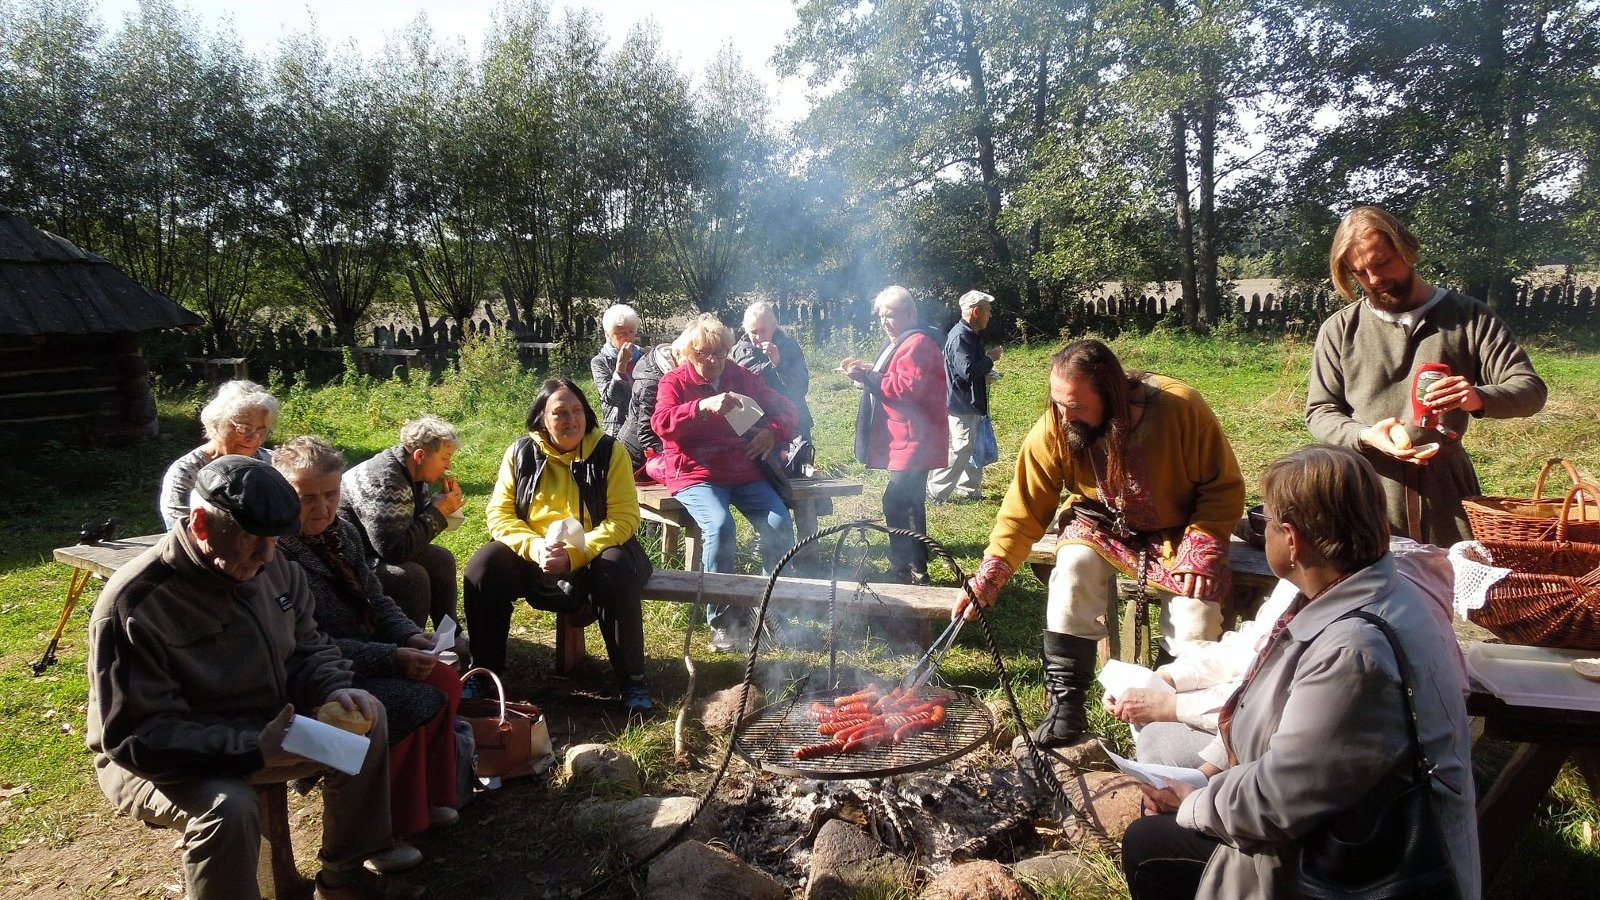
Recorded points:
237,421
392,657
563,518
710,467
1175,727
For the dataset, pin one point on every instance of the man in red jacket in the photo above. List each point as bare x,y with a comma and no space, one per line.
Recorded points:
901,423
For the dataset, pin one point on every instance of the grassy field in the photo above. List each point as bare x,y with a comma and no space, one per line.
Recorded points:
51,814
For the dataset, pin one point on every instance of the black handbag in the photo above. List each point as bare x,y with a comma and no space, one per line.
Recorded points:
1390,844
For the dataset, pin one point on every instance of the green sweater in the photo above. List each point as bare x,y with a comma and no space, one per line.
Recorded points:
1361,374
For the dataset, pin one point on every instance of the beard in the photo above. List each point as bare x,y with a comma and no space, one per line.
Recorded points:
1397,300
1081,436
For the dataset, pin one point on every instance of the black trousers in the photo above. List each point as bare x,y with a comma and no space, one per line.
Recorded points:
1163,860
611,585
905,505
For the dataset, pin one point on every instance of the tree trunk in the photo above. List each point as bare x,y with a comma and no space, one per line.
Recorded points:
1178,172
1208,292
983,134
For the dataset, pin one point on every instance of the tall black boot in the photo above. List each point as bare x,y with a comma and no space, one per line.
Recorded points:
1068,670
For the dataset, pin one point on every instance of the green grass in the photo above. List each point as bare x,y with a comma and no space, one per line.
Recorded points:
1256,386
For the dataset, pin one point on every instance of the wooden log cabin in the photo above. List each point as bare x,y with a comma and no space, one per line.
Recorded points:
70,323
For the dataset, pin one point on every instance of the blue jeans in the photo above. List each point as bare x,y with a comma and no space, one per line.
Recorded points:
712,505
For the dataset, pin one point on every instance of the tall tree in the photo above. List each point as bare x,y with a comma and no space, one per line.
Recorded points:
52,138
442,171
337,202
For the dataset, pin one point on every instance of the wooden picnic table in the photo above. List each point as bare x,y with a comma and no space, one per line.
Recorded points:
102,559
656,504
1545,738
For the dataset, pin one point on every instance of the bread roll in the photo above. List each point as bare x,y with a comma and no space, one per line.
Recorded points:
1427,451
336,715
1588,668
1399,436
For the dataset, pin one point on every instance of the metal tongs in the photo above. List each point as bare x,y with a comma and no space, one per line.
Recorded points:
929,663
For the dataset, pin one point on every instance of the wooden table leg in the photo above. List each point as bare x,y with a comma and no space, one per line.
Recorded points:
805,525
671,539
276,875
1504,812
570,649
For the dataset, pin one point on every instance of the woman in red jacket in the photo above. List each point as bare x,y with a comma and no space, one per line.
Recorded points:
901,425
709,466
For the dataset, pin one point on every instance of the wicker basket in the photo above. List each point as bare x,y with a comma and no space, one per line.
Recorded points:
1550,599
1534,518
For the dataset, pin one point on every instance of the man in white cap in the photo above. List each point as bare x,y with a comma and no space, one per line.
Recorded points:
200,651
967,369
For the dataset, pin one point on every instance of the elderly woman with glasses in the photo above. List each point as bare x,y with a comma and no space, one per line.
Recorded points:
237,421
1318,735
710,466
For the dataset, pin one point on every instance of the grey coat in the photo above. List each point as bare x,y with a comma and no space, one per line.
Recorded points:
1361,373
1322,721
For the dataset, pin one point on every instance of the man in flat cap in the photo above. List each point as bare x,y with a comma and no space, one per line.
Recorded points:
200,651
967,369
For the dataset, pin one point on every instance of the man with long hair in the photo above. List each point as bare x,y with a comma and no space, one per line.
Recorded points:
1364,376
1145,477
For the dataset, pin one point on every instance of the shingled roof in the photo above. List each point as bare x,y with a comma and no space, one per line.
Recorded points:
50,287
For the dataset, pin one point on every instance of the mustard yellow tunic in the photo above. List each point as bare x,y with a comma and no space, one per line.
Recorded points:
1185,490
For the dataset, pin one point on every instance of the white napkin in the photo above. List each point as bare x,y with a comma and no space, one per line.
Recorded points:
323,743
568,531
745,415
1117,677
1156,776
445,637
1475,573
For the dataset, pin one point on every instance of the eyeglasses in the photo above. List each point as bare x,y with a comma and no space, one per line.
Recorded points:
246,430
708,355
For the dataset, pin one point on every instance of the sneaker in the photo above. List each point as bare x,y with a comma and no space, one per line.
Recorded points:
442,816
477,686
400,857
733,639
365,885
636,698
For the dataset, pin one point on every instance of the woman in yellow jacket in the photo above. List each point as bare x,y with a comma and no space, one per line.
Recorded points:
563,518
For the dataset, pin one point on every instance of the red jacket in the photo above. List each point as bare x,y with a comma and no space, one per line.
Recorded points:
912,388
703,448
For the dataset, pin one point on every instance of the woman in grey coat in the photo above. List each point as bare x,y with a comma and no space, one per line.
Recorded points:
1320,719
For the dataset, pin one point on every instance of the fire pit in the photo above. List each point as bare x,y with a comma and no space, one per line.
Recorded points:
768,737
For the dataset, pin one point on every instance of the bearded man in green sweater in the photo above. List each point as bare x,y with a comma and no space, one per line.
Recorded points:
1363,376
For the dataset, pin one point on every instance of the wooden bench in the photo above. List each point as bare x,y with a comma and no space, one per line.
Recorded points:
1252,582
924,604
656,504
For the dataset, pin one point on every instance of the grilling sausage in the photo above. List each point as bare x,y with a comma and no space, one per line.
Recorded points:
811,751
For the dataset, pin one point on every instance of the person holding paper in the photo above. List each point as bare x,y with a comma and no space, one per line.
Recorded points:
393,659
564,519
901,424
1177,719
713,442
194,647
1319,732
391,501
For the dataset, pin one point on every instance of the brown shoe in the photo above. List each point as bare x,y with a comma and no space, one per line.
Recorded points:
369,886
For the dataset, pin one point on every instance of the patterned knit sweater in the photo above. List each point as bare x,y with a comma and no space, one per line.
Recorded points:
394,515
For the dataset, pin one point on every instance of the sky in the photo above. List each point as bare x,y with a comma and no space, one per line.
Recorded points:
691,30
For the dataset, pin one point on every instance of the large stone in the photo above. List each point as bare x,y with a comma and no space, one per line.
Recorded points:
1063,867
639,826
718,711
1085,755
846,862
1113,800
693,869
602,767
981,880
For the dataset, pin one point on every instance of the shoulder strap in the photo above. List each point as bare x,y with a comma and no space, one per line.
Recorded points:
1407,693
590,474
530,465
